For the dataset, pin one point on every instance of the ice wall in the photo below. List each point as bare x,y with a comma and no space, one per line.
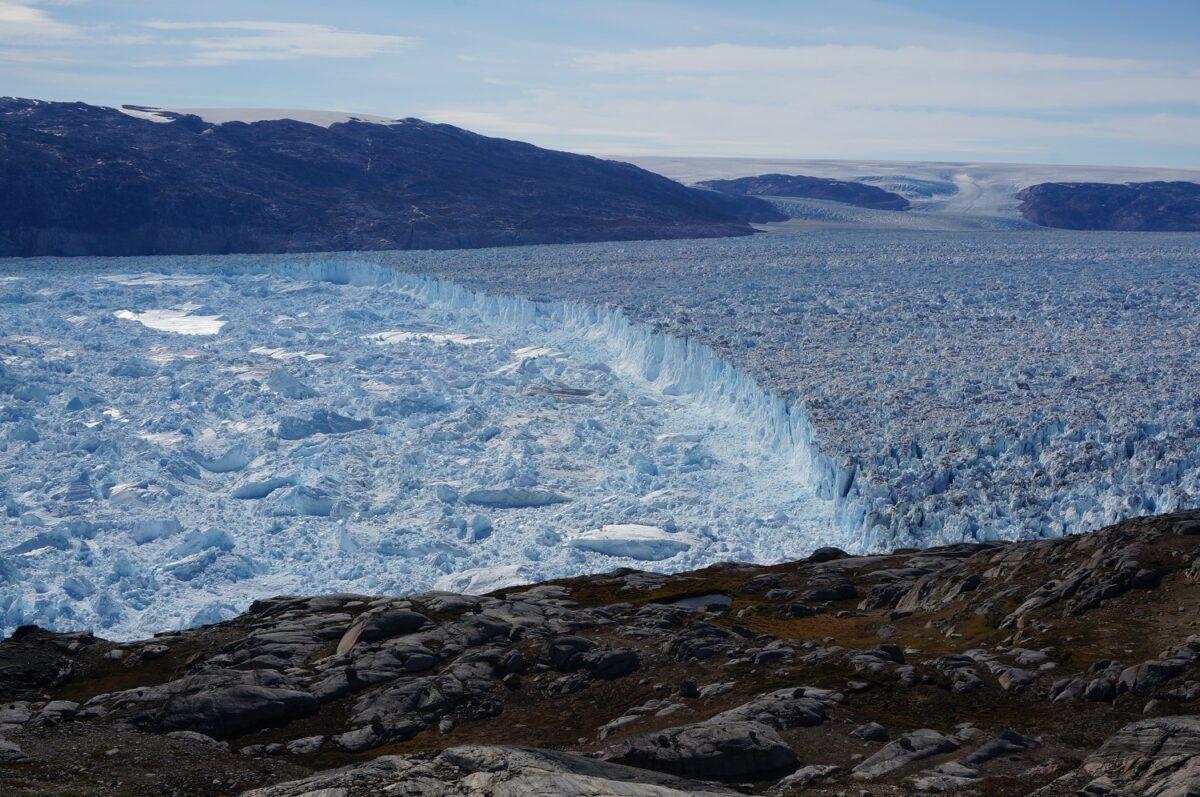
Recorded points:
256,427
1019,463
1062,476
674,365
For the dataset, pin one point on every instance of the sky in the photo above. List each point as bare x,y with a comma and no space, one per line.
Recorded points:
1054,81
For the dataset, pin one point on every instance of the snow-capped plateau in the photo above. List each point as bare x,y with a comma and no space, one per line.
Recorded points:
944,195
219,116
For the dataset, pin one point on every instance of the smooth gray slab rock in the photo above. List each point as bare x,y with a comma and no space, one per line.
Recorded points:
217,703
725,751
805,776
908,749
1157,757
478,770
783,708
392,622
227,712
305,745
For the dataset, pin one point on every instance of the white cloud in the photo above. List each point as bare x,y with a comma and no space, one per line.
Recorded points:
619,124
24,22
847,101
726,58
834,74
237,41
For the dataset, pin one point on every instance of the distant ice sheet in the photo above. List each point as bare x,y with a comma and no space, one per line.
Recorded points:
944,195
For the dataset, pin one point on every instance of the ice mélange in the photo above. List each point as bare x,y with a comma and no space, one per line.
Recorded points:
185,438
230,427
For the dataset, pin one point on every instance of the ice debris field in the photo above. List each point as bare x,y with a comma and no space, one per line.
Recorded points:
179,436
175,444
936,387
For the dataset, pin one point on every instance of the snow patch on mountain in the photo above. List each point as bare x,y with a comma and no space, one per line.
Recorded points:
220,116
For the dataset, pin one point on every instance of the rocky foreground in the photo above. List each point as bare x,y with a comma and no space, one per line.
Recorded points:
1054,667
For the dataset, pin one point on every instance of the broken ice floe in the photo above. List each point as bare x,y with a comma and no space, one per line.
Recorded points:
149,485
181,322
634,541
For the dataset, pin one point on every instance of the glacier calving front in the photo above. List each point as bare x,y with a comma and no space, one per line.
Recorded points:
469,420
307,427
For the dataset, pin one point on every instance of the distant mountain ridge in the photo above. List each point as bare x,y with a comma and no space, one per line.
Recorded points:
1158,206
944,195
789,185
78,179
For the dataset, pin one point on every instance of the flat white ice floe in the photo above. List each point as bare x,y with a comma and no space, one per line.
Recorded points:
647,543
180,322
282,354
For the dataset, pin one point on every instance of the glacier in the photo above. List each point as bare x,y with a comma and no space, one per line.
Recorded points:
944,195
177,443
934,387
387,422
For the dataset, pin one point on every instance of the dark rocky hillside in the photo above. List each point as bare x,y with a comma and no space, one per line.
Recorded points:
1146,207
77,179
792,185
1050,668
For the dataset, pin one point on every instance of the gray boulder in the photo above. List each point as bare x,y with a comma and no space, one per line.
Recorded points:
392,622
871,732
908,749
723,751
493,771
1157,757
781,709
218,703
11,753
234,710
1007,743
1143,679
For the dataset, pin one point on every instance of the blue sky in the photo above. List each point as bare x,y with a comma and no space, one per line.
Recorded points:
1061,81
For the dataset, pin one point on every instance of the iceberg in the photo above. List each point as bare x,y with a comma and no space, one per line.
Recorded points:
634,541
512,497
180,322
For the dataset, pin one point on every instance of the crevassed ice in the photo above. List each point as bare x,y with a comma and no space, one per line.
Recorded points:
340,426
